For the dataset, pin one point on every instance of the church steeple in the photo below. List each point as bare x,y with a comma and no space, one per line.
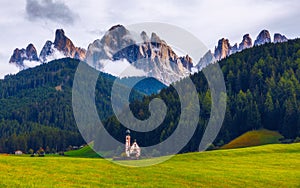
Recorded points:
127,143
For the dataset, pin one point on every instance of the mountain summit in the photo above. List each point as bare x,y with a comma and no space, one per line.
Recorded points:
21,56
224,49
263,37
60,48
151,56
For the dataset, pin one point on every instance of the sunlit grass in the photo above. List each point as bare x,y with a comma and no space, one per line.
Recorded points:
263,166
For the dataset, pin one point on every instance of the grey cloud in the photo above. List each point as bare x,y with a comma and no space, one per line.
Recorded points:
51,10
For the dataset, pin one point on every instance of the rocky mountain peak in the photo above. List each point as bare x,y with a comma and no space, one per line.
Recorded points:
59,35
207,59
234,49
187,62
63,43
21,55
46,51
62,46
116,38
144,36
153,56
246,42
223,49
155,38
31,53
279,38
262,38
119,29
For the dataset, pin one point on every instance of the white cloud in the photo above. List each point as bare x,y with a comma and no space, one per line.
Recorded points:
7,68
30,64
121,68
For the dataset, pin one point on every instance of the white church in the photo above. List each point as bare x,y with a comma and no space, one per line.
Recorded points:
134,150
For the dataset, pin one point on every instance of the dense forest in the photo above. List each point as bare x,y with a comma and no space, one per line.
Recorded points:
36,106
263,91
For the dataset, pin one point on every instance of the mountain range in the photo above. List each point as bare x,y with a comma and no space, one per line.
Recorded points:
117,50
225,49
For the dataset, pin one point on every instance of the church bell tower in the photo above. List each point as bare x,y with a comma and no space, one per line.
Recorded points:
127,143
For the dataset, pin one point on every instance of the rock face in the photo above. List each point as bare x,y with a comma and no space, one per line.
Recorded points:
234,49
278,38
60,48
21,55
152,55
46,51
207,59
246,43
114,40
263,38
62,45
31,53
223,49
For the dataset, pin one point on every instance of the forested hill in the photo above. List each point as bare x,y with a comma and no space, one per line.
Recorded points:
263,92
36,106
36,109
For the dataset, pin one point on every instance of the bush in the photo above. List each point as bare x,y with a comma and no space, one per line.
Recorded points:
297,140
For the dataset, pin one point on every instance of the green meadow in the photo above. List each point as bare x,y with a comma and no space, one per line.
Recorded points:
275,165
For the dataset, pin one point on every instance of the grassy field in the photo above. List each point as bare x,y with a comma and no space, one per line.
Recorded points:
263,166
254,138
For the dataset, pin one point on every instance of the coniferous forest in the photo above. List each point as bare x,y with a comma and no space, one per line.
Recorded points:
263,91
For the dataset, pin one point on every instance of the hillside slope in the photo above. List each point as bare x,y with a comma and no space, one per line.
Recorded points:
254,138
36,106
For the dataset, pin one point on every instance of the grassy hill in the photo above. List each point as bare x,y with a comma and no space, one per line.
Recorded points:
86,152
271,165
254,138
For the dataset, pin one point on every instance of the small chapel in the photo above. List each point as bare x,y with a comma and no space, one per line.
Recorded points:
131,150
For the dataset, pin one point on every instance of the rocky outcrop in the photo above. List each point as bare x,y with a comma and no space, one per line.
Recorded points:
21,55
234,49
278,38
263,38
31,53
223,49
153,55
63,45
114,40
46,51
207,59
246,42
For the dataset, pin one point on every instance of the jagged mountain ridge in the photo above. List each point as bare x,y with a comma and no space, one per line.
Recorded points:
21,55
62,44
224,48
60,48
153,55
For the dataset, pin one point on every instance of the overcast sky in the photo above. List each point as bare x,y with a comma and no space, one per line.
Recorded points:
35,21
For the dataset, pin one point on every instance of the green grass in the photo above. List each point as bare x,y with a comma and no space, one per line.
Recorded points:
263,166
254,138
86,152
